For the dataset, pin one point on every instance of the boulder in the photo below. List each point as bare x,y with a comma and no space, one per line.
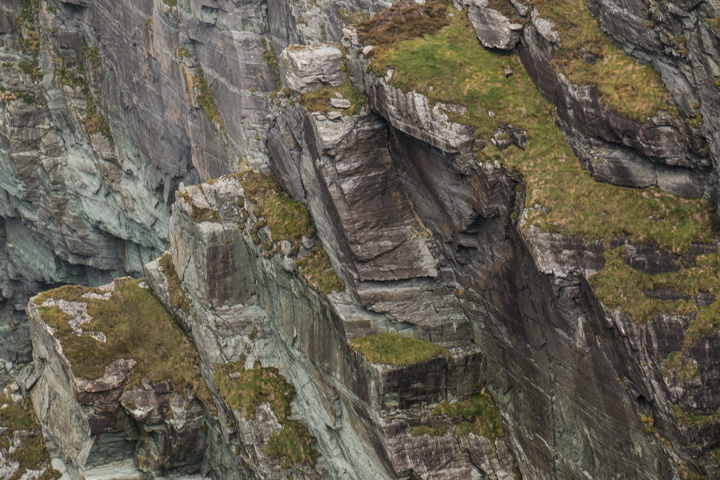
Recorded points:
309,68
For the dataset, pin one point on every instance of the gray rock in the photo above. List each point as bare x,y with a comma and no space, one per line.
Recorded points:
308,68
494,30
340,103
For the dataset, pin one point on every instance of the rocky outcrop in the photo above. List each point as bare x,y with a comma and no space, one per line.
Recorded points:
380,291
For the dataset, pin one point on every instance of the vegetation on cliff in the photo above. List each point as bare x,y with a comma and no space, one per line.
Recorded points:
393,349
319,101
561,196
136,325
478,415
246,389
21,440
178,298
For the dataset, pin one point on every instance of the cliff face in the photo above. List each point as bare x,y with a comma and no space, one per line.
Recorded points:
436,271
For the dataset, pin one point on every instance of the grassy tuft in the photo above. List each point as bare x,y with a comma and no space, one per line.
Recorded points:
178,299
251,388
685,368
32,453
632,88
478,414
200,214
319,101
293,445
402,21
287,218
7,95
319,272
691,419
137,326
396,350
206,97
618,285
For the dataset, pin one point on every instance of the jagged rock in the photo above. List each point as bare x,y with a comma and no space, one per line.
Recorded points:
307,68
494,30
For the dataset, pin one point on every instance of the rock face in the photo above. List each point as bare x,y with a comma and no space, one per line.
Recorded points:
367,284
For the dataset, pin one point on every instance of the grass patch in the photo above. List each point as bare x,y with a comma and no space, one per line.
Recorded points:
200,214
562,196
287,218
632,88
271,60
396,350
248,389
76,77
649,422
319,272
432,432
29,39
206,98
178,299
137,326
479,414
691,419
32,453
7,95
618,285
319,100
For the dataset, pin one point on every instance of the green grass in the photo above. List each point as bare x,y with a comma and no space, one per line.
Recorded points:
287,218
256,386
8,95
200,214
76,77
571,202
29,39
206,97
396,350
691,419
685,368
618,285
32,454
178,299
479,414
137,327
319,272
319,101
632,88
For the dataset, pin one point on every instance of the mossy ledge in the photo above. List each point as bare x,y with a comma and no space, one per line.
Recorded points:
479,415
395,350
246,389
178,298
136,325
20,421
287,220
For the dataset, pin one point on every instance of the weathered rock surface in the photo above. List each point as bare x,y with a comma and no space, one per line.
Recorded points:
423,238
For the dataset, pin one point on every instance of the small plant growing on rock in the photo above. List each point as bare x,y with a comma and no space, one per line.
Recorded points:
396,350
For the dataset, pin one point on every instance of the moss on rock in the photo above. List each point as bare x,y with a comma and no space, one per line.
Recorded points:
396,350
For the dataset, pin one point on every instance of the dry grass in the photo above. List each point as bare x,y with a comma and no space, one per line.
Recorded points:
319,101
137,326
395,350
403,21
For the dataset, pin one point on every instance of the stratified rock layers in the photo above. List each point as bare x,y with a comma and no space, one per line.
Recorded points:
400,217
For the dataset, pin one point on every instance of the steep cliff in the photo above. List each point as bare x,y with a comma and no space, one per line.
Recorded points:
429,264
